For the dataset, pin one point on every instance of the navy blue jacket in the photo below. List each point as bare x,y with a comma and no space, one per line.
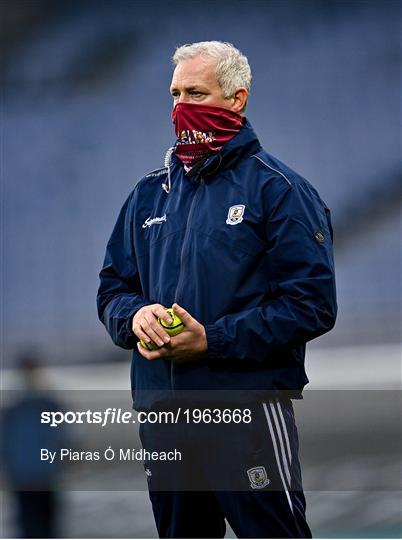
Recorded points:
245,245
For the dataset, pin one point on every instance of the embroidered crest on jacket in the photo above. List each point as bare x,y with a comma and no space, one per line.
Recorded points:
235,214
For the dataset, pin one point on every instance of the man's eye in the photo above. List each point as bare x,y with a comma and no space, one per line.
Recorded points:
196,93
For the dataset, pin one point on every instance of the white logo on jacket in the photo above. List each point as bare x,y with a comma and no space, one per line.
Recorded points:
235,214
153,221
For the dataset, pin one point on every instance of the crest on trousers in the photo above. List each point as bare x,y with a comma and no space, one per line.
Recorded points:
235,214
258,477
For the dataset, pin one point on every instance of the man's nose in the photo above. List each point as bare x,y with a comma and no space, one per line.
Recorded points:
183,98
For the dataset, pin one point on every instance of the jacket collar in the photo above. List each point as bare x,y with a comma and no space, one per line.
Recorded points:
241,145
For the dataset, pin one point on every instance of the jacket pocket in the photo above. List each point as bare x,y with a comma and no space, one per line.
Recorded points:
241,237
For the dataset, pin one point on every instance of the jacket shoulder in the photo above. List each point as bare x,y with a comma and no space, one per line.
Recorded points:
283,183
276,169
153,176
156,173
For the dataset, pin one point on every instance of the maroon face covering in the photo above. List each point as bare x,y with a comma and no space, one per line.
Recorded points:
202,130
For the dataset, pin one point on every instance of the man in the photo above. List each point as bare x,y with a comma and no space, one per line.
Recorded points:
241,246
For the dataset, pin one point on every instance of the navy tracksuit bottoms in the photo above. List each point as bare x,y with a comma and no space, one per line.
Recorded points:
247,473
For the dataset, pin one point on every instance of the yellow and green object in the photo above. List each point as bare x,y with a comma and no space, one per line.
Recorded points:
174,328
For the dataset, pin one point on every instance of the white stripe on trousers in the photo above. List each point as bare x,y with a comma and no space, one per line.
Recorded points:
286,462
285,431
271,430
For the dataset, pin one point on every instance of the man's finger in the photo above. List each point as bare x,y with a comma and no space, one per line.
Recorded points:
139,332
183,314
144,352
156,327
152,355
159,311
155,331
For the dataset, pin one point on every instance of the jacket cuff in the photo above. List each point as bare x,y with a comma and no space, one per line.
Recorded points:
214,341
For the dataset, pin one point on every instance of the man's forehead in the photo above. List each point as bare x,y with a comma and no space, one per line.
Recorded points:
194,71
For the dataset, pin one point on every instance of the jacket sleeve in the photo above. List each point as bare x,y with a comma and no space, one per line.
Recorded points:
120,293
301,297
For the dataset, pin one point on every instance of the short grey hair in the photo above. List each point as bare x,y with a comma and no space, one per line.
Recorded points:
232,67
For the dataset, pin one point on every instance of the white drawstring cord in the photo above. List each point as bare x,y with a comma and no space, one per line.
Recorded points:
167,163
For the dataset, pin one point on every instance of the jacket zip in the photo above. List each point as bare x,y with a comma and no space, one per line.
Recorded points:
181,273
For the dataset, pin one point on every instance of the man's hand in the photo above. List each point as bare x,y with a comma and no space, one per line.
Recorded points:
145,324
189,345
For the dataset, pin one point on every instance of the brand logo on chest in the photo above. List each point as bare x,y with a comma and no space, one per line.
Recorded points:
153,221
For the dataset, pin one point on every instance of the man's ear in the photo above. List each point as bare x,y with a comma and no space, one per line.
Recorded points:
239,100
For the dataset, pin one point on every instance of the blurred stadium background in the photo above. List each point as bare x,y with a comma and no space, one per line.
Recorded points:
85,112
